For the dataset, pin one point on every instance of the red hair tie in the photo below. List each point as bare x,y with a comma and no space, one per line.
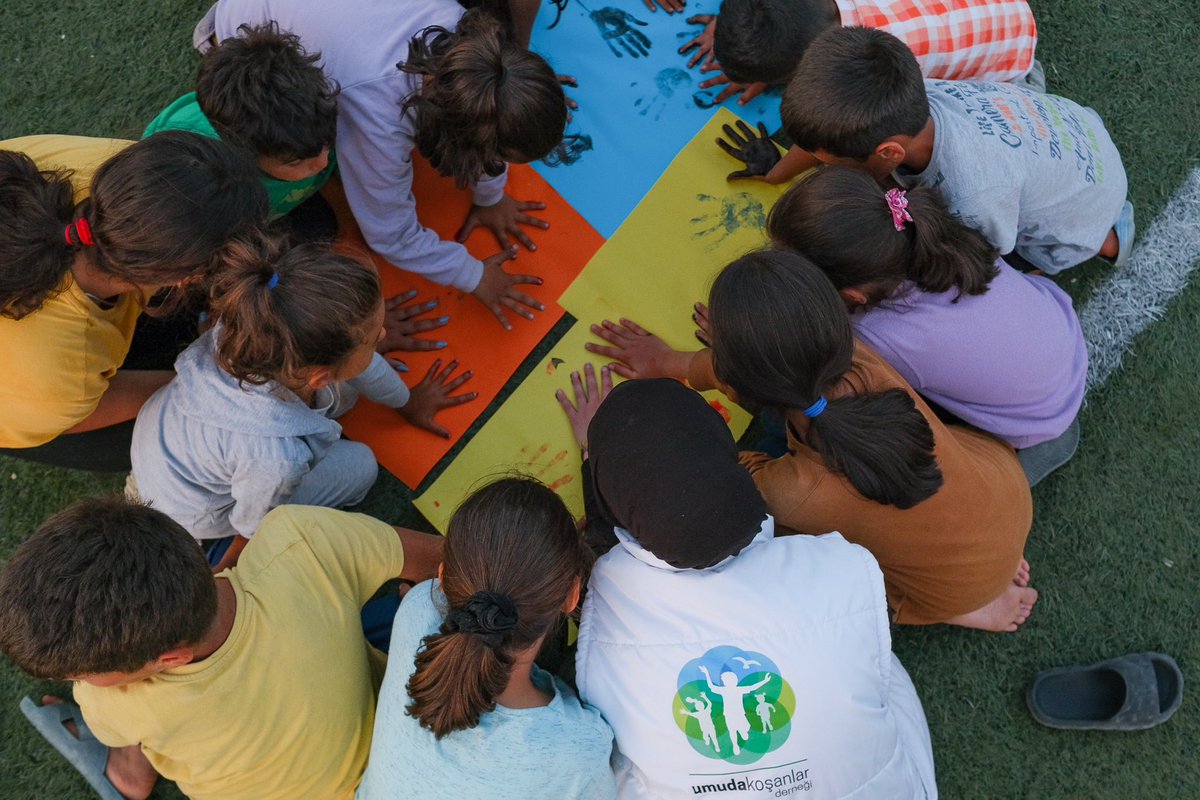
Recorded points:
83,232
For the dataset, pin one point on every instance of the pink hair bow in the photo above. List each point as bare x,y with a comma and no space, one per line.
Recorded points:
898,205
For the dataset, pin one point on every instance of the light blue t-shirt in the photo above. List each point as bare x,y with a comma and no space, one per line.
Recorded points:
558,751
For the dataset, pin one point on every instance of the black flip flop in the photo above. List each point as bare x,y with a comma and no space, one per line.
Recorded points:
1128,693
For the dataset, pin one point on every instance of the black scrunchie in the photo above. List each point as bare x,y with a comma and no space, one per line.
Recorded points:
488,615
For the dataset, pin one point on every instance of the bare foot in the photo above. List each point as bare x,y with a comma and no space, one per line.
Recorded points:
1004,614
127,767
1022,577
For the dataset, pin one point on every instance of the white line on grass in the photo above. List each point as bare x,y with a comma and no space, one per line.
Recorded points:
1137,294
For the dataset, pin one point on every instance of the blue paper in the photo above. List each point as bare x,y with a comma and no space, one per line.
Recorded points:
639,104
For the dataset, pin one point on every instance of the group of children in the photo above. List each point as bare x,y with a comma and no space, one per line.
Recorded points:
175,308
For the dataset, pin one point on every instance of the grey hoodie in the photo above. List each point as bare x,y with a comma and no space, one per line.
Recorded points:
216,456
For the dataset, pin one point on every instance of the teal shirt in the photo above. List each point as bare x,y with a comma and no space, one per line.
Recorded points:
185,115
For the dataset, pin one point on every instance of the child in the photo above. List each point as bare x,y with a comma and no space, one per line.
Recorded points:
759,42
701,601
249,422
995,348
261,91
253,685
945,509
427,76
464,711
78,258
1037,174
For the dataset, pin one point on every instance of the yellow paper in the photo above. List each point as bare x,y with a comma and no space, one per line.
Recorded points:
530,435
666,254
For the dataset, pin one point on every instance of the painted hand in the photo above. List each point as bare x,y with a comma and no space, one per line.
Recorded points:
759,153
401,326
503,219
700,317
703,43
749,90
497,289
614,25
588,397
433,393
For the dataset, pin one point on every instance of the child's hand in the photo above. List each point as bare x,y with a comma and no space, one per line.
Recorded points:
588,397
638,353
505,218
759,154
749,90
703,41
700,317
432,394
669,6
496,289
400,326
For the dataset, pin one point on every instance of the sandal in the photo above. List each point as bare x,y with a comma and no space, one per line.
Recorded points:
87,754
1128,693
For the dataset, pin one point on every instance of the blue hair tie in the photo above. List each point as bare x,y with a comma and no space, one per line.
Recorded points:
271,284
816,408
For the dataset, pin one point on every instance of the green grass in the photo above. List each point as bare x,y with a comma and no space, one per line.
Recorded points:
1115,546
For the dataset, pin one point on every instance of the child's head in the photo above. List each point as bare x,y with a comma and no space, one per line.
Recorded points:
486,100
781,339
302,316
157,211
841,220
513,565
665,468
857,96
262,91
106,591
762,40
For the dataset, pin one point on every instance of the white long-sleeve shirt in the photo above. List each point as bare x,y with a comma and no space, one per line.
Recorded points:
360,42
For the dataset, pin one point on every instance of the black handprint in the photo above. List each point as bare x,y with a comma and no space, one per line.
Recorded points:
667,82
758,152
614,25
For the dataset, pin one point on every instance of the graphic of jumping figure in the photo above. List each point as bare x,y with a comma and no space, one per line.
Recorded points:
703,715
732,697
764,711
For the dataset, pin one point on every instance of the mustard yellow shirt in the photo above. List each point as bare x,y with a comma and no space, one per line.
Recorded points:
284,709
57,361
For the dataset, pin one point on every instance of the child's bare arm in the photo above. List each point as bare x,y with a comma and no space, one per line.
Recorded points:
794,162
126,394
422,554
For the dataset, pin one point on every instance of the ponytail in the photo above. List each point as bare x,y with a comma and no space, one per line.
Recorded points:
490,101
36,246
513,557
781,339
839,219
285,310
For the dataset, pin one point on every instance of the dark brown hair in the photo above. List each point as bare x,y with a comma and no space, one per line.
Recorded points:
283,309
35,207
781,339
513,541
489,100
157,211
762,40
261,90
854,88
839,219
105,585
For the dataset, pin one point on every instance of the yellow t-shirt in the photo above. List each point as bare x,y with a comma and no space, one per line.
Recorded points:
284,709
57,361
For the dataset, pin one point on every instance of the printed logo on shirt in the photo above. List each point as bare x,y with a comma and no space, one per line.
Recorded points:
733,705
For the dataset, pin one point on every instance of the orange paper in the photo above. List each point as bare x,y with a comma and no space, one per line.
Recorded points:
474,337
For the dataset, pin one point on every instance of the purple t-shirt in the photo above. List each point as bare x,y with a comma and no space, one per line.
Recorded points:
1011,361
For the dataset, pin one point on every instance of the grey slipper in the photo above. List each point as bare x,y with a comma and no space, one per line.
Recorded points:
87,754
1128,693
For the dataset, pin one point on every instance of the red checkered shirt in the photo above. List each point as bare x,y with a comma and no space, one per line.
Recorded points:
955,39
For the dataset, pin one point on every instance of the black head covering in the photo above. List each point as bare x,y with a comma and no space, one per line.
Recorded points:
665,468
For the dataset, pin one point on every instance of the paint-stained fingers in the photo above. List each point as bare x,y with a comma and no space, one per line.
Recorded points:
763,133
734,136
746,130
730,149
741,174
701,19
568,80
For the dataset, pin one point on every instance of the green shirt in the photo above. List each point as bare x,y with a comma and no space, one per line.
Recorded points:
185,115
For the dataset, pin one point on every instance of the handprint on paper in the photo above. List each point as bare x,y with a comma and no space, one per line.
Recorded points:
616,29
725,216
666,83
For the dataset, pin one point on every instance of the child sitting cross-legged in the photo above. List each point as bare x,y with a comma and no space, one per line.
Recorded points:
250,420
995,348
1037,174
256,684
944,508
464,711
